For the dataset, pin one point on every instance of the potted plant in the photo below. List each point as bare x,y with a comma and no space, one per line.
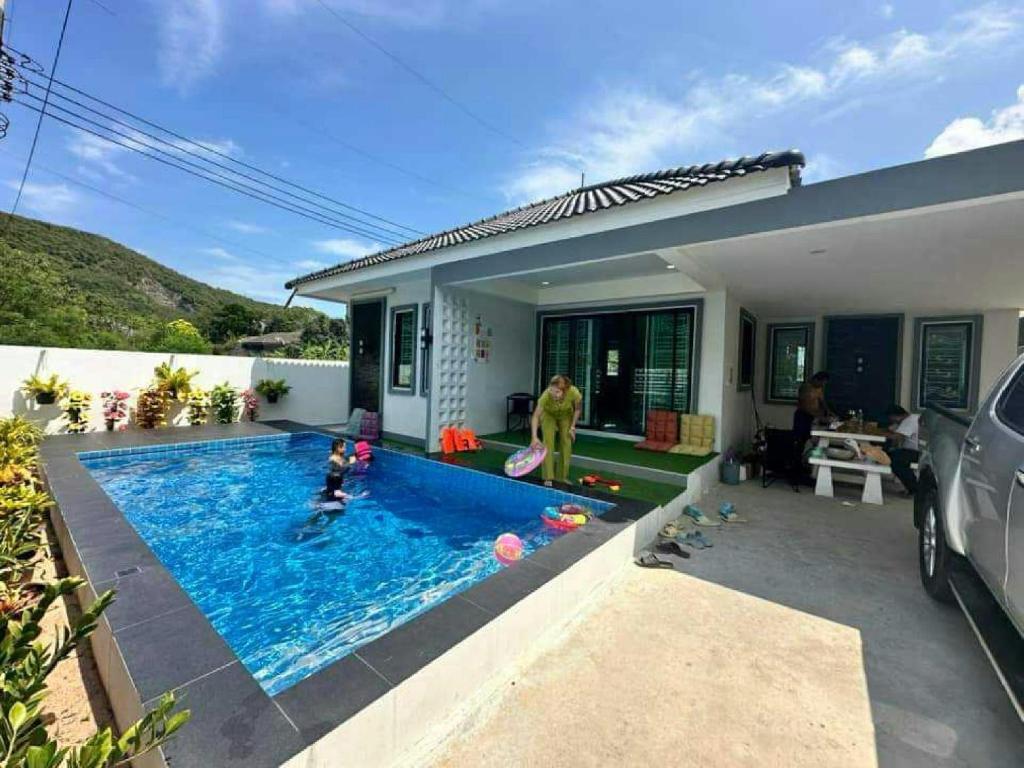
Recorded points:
44,391
250,405
224,400
115,408
272,389
176,382
76,410
151,408
198,403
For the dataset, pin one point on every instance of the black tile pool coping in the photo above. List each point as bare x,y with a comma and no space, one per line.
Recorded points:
167,643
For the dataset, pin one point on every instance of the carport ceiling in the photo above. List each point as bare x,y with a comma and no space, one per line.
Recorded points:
960,258
639,265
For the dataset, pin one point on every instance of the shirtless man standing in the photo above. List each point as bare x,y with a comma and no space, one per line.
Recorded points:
811,405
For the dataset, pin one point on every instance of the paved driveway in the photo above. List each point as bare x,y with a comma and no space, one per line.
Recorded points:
802,638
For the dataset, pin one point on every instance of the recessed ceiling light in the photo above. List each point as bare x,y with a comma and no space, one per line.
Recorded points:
545,282
670,266
818,251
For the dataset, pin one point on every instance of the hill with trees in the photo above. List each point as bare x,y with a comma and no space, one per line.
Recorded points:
62,287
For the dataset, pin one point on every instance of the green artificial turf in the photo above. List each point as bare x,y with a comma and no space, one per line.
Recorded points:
612,449
633,488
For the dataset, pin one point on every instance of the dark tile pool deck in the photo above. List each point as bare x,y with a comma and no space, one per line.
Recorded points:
168,644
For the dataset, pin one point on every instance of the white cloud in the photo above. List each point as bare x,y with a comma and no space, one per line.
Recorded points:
224,146
1006,124
97,155
310,264
822,166
47,199
246,228
259,282
346,247
220,253
886,10
627,130
191,41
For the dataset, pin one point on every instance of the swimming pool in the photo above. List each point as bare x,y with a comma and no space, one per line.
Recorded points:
290,590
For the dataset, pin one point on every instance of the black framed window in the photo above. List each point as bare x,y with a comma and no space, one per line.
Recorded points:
946,362
747,350
624,362
402,367
790,358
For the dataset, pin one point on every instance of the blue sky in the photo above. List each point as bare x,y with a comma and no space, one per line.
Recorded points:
553,88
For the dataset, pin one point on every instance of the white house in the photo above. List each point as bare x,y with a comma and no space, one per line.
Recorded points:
701,289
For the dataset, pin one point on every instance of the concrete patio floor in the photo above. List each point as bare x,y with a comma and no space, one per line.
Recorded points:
802,639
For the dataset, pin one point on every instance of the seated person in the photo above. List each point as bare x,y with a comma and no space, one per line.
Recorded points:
904,446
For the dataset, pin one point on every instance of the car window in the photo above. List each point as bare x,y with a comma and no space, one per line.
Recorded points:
1010,408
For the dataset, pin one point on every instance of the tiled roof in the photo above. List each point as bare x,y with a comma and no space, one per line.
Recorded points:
578,202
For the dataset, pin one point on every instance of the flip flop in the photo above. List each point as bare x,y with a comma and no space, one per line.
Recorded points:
692,541
704,541
648,559
671,548
670,531
728,513
699,517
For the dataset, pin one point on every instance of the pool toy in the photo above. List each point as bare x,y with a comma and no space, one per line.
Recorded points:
524,461
554,517
591,480
508,548
575,509
468,441
363,452
447,440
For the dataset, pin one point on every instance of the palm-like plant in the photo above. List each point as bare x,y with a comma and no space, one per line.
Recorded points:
176,382
44,390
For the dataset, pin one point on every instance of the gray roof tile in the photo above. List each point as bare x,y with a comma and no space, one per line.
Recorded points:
578,202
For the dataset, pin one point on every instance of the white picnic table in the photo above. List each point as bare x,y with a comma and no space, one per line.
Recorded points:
872,472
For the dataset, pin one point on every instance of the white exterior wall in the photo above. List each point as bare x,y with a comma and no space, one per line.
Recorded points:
404,414
998,349
719,355
319,388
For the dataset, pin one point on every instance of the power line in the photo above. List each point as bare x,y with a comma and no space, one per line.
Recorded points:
181,140
39,122
180,164
214,151
136,137
421,77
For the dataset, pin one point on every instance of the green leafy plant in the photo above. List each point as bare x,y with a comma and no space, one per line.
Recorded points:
272,389
76,410
44,390
176,382
224,400
198,403
180,336
151,408
28,656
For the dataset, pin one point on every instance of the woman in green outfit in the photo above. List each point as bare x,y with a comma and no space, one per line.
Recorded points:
557,412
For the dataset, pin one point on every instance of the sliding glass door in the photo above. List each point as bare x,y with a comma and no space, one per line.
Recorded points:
624,363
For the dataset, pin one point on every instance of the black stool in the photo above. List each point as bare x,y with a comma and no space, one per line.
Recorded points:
519,406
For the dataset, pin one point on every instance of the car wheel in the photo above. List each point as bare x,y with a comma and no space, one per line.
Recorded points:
934,555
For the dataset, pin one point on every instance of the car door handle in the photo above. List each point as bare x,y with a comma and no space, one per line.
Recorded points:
972,444
1020,477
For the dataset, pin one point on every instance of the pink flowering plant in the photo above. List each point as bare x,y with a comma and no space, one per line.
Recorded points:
250,404
115,408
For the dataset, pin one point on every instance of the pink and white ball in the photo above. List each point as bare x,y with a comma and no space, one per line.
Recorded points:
508,548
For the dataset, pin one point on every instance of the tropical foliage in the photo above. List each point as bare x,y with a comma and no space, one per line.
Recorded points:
198,403
225,403
115,408
176,382
151,408
272,389
76,408
61,287
27,656
250,404
44,389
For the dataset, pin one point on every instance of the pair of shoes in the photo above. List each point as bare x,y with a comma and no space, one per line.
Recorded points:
727,511
699,517
697,540
648,559
672,548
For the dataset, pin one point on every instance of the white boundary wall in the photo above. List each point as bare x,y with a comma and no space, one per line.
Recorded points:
319,388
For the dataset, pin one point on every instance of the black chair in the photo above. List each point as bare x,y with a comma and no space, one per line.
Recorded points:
519,406
781,458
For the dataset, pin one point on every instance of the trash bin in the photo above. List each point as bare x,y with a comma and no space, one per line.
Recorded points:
731,472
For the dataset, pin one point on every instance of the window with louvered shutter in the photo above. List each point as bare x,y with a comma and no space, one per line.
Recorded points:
945,364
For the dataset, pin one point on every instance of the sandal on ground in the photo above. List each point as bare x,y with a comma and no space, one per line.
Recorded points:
703,540
671,548
728,513
699,517
670,531
648,559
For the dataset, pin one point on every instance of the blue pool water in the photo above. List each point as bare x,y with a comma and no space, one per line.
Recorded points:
291,591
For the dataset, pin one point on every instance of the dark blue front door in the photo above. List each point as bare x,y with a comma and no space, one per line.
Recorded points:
862,356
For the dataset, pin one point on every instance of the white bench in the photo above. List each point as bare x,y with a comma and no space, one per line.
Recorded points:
872,477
